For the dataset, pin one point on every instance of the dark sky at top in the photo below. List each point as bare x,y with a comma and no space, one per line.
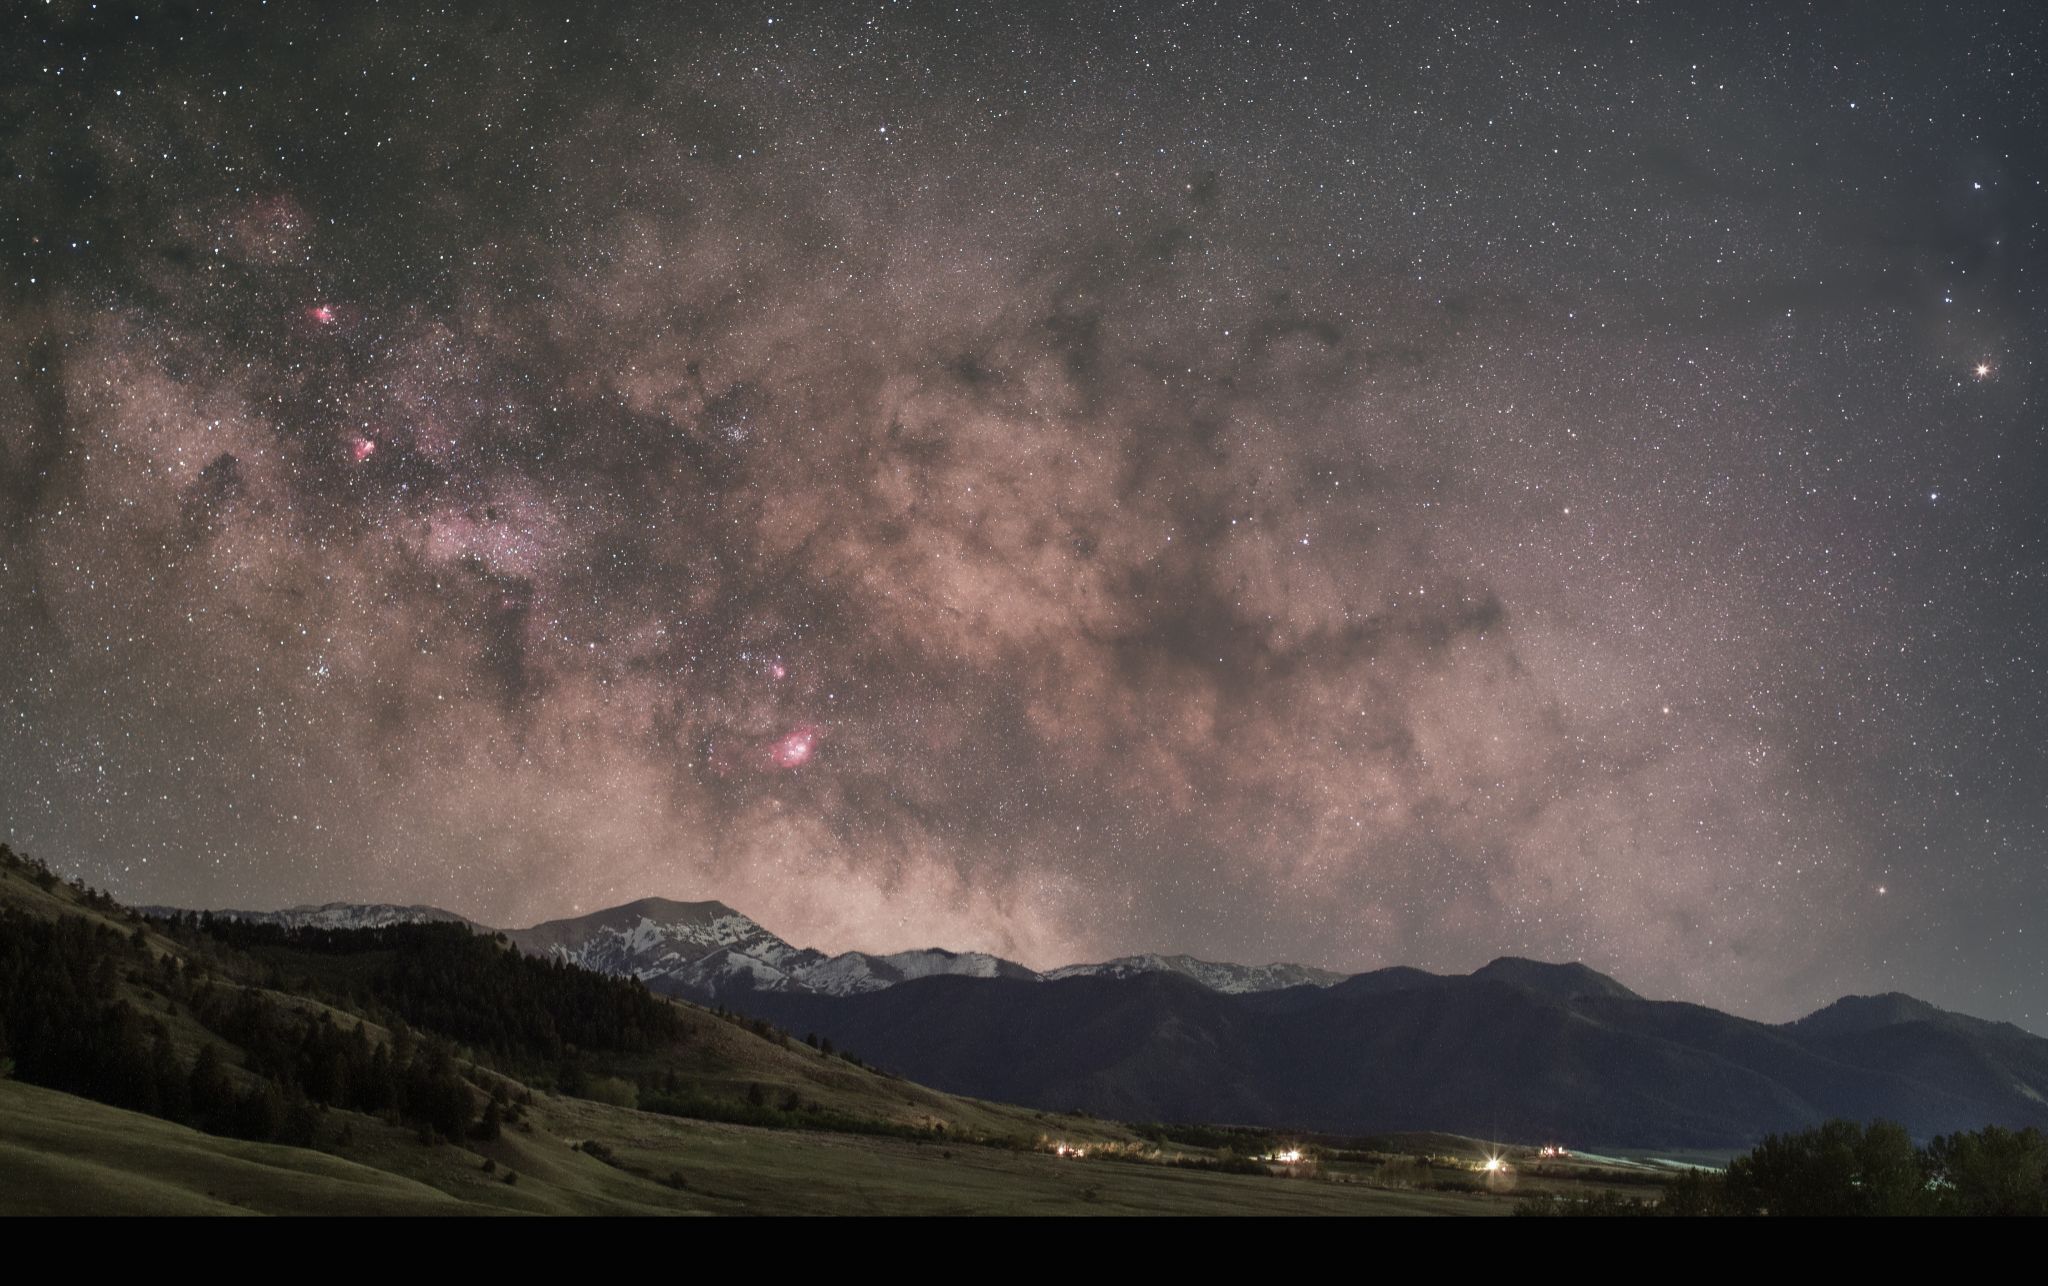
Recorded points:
1355,485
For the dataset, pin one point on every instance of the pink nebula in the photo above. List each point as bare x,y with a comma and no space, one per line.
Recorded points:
361,449
795,748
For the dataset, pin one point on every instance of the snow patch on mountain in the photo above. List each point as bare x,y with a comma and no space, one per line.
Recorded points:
855,972
708,949
1232,979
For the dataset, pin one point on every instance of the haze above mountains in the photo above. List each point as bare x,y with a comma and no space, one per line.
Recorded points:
1517,1049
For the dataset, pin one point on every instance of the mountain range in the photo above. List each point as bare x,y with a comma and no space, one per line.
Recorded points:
708,951
1517,1049
330,915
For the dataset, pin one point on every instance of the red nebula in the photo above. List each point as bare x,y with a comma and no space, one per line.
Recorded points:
795,748
776,670
322,314
361,449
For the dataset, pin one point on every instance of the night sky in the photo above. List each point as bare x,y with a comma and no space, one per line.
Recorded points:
1353,485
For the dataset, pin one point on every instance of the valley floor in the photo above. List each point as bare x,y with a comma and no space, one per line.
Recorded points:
60,1154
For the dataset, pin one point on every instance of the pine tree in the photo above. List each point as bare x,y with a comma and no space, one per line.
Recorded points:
212,1093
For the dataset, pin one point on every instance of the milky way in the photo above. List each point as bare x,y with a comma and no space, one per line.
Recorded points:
1370,485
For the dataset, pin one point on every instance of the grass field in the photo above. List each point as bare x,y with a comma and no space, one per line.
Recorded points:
60,1154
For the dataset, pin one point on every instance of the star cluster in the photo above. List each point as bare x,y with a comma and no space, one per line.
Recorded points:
1351,484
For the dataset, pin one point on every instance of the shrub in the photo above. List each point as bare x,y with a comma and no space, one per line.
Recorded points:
615,1090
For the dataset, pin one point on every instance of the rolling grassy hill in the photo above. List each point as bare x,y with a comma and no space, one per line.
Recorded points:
62,1154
